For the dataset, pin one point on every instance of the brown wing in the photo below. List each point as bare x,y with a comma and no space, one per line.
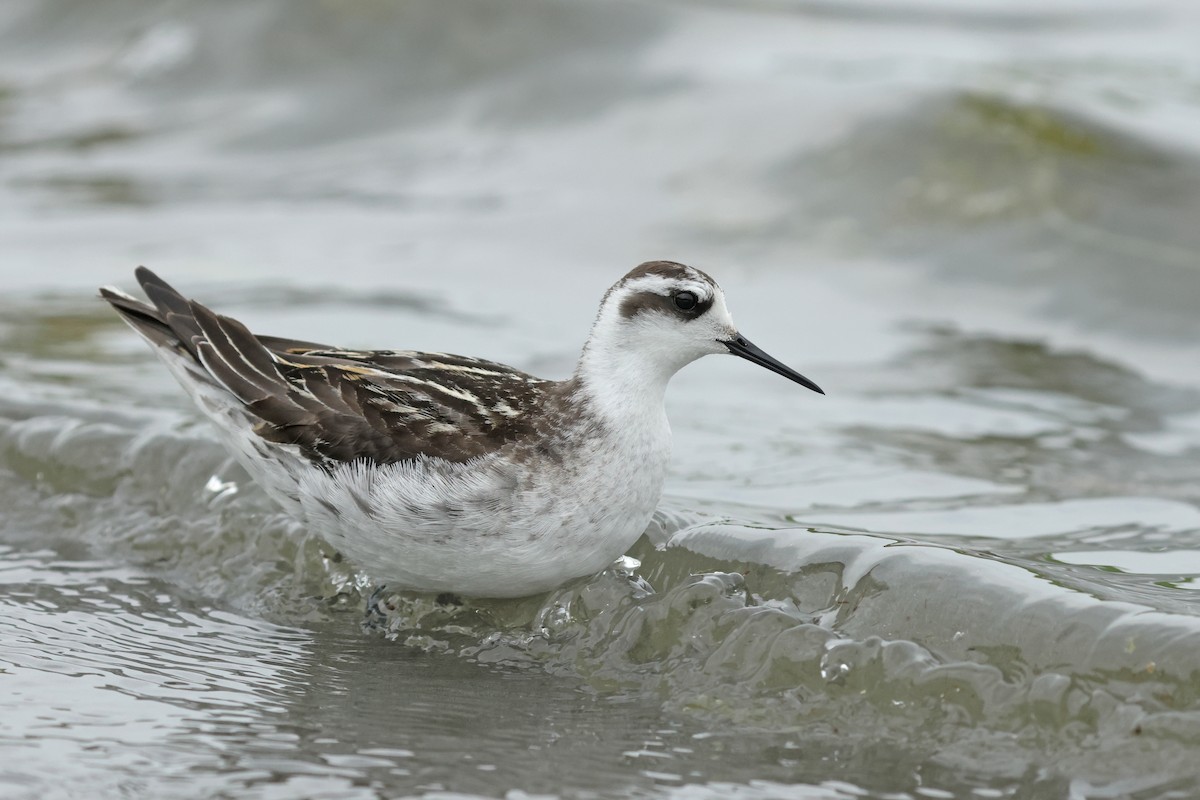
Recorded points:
340,405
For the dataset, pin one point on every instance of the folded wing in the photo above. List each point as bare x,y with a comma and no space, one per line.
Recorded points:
341,405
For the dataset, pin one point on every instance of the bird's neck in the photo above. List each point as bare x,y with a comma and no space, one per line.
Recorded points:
623,384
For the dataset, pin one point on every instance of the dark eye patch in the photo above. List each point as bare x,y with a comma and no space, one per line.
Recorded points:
669,304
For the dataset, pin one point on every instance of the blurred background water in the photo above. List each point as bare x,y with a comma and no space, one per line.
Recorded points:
969,571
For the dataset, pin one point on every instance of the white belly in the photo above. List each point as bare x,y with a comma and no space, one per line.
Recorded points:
491,527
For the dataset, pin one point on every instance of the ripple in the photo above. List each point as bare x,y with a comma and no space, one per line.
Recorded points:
108,677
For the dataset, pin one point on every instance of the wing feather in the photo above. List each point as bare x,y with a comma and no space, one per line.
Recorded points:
337,405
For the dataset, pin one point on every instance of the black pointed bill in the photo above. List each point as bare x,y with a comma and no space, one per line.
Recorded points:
741,346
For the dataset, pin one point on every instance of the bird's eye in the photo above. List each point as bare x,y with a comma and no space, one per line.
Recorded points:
685,301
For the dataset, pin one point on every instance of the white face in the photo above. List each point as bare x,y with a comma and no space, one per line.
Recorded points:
661,317
671,319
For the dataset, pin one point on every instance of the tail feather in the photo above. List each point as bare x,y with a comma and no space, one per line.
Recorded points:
146,320
213,347
174,309
229,373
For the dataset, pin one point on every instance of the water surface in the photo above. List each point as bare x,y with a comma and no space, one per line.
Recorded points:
969,571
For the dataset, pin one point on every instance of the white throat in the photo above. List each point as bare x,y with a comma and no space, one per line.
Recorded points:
622,382
624,368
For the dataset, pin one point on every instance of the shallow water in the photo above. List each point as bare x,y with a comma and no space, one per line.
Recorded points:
970,571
